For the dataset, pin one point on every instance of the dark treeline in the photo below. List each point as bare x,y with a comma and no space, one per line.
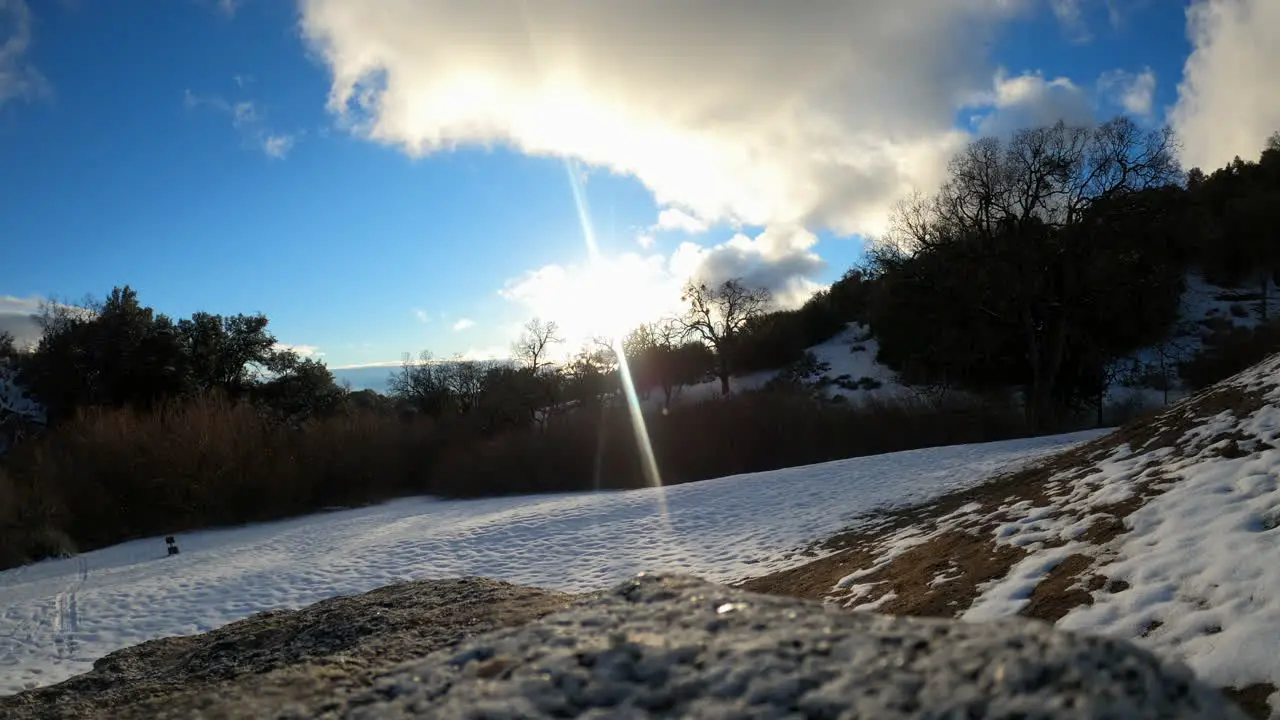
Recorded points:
1041,266
1047,260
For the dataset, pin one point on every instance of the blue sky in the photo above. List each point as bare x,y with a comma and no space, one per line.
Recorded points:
209,153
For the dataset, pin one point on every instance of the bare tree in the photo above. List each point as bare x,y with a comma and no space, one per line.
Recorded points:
718,314
1051,175
536,342
1045,187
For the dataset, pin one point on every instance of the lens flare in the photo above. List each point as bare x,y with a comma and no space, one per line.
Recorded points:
649,464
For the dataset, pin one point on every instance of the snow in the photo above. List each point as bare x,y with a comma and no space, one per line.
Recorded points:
850,354
1201,556
59,616
1009,595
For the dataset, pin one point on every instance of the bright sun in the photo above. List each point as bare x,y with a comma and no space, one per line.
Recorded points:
610,297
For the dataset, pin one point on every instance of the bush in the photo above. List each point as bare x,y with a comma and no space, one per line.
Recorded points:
746,432
27,534
109,475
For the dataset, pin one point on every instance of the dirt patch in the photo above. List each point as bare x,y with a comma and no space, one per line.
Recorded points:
813,580
970,549
1060,591
967,559
857,550
1108,528
962,544
1252,699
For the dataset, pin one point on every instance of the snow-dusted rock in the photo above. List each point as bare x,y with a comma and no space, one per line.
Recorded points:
673,646
654,646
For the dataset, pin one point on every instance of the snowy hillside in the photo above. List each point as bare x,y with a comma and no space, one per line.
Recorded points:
850,357
1165,532
58,616
1203,306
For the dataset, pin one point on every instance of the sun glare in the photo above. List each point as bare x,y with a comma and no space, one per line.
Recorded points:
647,460
619,294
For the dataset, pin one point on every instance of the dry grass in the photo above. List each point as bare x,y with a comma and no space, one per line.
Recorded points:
112,475
752,432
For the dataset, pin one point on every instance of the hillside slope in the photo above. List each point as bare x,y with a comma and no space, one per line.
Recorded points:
1166,531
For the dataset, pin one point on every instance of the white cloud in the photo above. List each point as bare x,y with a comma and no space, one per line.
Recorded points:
755,114
1135,92
304,351
494,352
277,146
1029,100
422,315
379,364
18,317
19,79
677,219
464,324
1229,100
780,260
620,293
1070,15
247,119
244,115
645,240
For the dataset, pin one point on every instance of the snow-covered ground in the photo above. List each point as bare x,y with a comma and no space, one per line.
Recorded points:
850,354
1202,557
58,616
1174,536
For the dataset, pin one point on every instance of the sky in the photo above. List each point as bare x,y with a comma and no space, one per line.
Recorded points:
406,175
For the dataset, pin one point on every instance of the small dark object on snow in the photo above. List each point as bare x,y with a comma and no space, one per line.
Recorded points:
172,545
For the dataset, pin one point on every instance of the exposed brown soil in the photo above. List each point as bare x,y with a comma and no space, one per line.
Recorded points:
813,580
968,555
1252,699
970,559
1060,591
974,557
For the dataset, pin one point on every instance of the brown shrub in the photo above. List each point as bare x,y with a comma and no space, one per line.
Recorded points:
750,432
111,475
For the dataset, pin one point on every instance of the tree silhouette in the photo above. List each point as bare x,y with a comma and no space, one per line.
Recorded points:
718,314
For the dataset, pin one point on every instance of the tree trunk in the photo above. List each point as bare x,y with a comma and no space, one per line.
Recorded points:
1046,363
722,363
